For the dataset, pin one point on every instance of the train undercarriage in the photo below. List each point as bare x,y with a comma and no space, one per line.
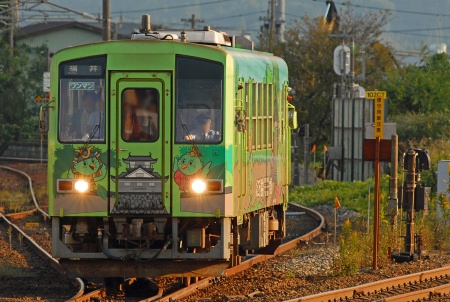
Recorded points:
163,246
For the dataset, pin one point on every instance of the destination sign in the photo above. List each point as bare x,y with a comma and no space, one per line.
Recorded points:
81,86
83,70
375,94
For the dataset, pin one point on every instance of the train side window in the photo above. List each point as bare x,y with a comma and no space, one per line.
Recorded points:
199,101
140,115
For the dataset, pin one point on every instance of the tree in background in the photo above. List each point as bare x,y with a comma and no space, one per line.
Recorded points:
420,89
20,83
308,50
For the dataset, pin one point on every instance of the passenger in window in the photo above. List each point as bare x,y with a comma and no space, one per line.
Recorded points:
203,133
80,119
148,115
131,130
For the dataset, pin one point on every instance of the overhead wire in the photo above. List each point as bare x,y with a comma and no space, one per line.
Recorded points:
388,9
172,7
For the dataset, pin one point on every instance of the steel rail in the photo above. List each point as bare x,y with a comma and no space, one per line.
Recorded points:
377,286
53,262
185,292
44,254
420,294
99,293
30,185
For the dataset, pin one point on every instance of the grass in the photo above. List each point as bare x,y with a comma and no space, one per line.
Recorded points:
352,195
14,202
356,243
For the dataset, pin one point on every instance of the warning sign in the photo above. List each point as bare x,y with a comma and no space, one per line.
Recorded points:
379,118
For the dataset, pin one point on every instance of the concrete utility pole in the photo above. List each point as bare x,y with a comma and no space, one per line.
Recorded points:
193,21
271,24
106,20
281,19
13,13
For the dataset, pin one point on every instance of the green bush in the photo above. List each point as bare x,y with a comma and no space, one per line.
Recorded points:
414,127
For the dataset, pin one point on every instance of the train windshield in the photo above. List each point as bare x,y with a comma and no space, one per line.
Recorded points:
199,99
82,101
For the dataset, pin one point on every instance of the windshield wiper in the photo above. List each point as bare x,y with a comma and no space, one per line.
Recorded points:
88,137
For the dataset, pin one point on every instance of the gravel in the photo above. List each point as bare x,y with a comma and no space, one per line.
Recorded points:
302,271
306,270
25,276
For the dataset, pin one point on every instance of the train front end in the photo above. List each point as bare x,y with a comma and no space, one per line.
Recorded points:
140,160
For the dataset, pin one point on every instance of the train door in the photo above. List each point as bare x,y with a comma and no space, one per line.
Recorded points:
140,143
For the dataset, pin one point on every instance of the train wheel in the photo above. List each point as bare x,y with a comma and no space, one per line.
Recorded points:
186,281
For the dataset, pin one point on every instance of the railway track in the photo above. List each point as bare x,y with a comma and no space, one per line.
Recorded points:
204,283
28,240
191,285
433,284
413,287
101,293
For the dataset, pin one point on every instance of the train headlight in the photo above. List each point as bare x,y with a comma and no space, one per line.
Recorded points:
198,186
81,186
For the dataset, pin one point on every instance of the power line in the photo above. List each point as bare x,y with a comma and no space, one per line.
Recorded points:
173,7
414,30
193,20
240,15
390,9
420,35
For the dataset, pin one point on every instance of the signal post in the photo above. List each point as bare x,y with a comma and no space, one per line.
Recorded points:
377,150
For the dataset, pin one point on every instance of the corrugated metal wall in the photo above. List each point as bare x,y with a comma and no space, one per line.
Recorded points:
349,118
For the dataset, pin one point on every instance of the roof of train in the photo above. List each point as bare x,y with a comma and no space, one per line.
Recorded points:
201,43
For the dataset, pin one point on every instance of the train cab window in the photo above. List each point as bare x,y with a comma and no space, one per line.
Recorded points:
82,101
199,99
140,118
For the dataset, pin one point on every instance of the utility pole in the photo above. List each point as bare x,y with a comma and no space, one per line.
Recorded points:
193,21
106,20
281,19
13,14
271,24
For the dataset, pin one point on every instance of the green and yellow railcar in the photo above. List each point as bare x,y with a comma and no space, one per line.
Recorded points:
169,154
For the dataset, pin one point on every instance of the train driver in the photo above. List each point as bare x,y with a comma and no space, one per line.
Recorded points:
204,131
80,120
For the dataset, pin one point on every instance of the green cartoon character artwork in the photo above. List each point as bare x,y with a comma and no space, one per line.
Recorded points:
88,165
189,167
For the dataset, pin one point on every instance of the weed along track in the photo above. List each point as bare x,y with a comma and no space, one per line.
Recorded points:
27,269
